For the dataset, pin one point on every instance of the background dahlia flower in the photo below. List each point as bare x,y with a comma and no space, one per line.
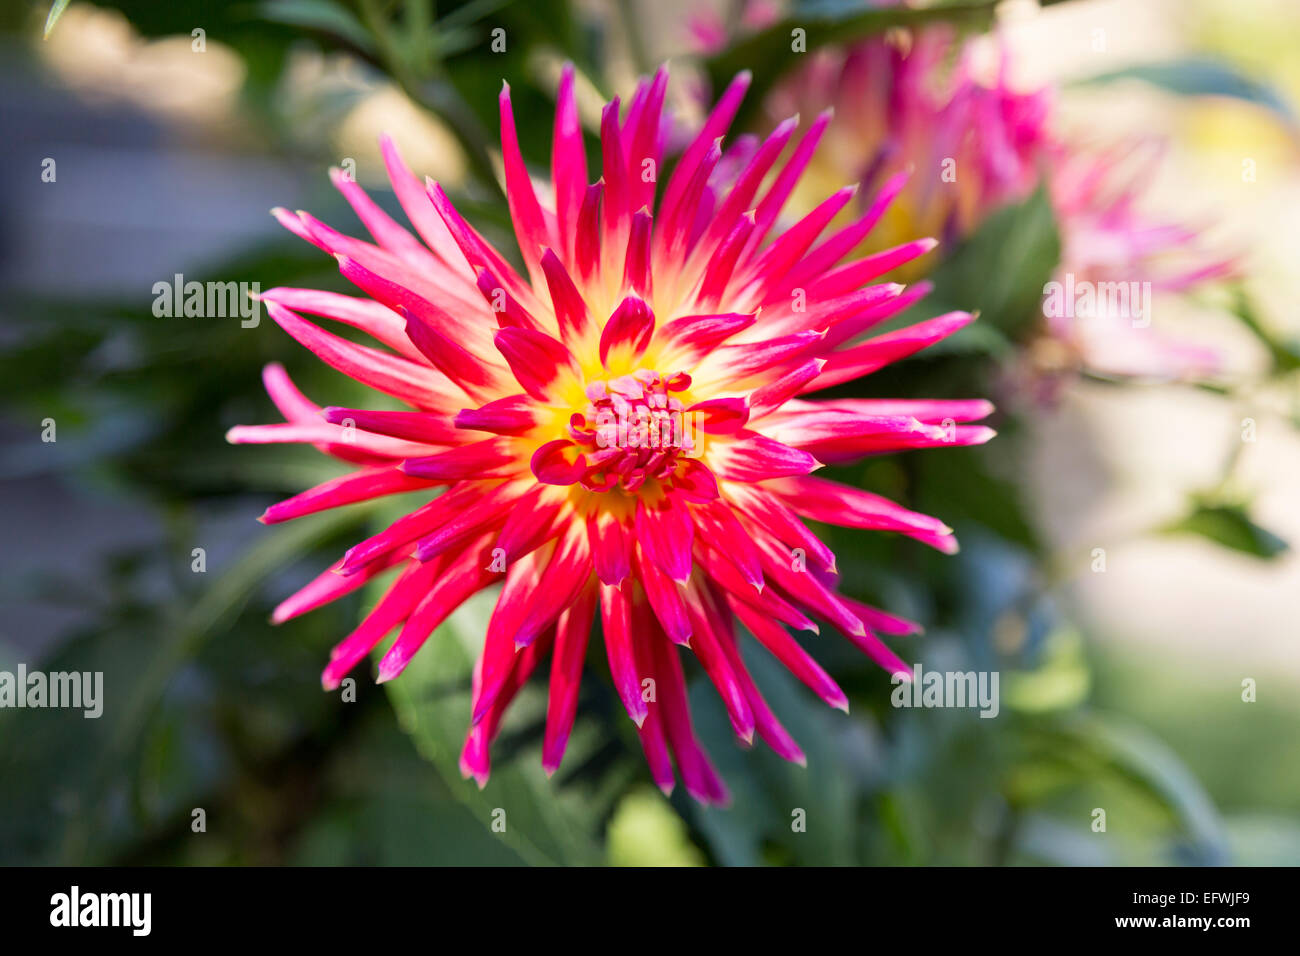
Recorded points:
915,101
619,431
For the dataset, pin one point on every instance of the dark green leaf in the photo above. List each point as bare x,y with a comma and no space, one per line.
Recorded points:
1230,526
558,821
323,15
769,794
1113,747
1002,268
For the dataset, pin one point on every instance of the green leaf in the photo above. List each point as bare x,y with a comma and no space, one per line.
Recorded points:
769,794
218,605
1149,763
547,822
84,789
1097,747
1230,526
1202,76
1002,268
323,15
1284,354
963,486
56,11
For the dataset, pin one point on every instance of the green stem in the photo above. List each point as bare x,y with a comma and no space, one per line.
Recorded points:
433,92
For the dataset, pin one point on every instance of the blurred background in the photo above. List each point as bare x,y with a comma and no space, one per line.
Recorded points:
147,140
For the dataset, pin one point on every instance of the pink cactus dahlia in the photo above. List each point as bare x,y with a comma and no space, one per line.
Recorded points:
915,102
618,430
901,105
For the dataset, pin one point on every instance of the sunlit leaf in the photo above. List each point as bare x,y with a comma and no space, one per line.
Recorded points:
646,832
56,11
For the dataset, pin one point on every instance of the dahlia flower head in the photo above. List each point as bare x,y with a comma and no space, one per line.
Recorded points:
1107,237
619,431
914,101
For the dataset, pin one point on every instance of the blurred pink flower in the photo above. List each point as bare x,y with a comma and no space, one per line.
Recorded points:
900,105
706,28
619,430
912,101
1106,239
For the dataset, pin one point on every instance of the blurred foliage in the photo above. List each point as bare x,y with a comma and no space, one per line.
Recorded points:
1001,270
544,821
1230,526
1200,76
1284,354
225,712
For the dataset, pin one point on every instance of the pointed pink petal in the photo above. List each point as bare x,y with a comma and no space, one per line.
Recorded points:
758,458
720,416
326,587
411,426
616,623
415,203
719,526
446,355
460,579
373,318
665,598
396,376
490,458
571,634
512,415
693,336
568,162
610,543
570,307
391,610
666,533
346,489
535,358
525,212
701,780
706,642
559,584
533,520
788,651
